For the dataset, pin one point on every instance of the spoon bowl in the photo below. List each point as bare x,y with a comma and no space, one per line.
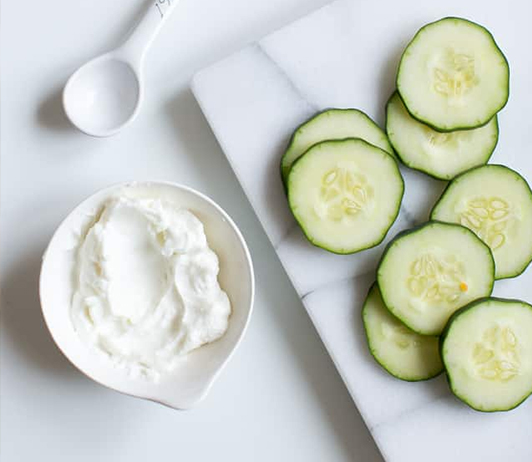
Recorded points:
103,96
187,384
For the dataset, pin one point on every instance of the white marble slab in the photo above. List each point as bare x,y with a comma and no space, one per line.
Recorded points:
345,55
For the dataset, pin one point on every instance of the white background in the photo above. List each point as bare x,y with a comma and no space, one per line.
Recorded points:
280,398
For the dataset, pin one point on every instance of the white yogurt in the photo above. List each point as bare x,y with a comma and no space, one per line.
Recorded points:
146,287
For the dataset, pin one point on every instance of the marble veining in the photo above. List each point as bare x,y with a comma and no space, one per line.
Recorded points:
282,73
345,55
347,280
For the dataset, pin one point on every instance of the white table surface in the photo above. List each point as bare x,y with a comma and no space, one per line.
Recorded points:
280,398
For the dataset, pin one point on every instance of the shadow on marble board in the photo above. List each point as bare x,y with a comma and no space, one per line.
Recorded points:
387,77
22,320
298,333
362,285
274,197
436,388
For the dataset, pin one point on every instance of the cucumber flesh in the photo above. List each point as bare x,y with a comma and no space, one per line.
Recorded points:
400,351
333,124
487,353
345,194
495,202
441,155
453,76
428,273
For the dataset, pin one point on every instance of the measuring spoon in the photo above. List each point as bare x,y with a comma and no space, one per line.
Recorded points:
105,94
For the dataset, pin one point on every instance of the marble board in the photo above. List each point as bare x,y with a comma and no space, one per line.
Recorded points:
346,55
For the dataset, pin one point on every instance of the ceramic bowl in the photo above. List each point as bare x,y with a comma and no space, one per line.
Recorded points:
190,382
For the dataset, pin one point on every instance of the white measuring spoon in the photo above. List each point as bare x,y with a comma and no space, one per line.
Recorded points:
105,94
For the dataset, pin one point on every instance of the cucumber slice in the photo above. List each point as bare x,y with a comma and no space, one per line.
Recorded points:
427,273
441,155
495,202
333,124
400,351
345,194
453,76
487,353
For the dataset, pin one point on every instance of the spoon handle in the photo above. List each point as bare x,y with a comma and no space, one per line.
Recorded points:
140,39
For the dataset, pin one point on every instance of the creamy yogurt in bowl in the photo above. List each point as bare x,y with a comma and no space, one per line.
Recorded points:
147,288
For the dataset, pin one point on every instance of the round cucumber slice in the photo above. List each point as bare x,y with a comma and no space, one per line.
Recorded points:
441,155
400,351
453,76
333,124
429,272
487,353
345,194
495,202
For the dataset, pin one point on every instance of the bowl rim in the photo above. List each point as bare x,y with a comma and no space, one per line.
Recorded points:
250,270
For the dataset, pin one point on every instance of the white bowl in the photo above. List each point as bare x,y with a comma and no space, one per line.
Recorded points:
190,382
